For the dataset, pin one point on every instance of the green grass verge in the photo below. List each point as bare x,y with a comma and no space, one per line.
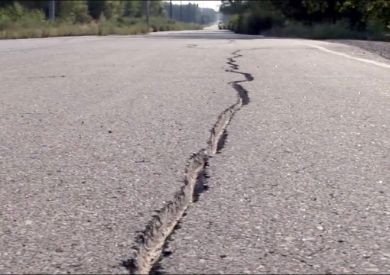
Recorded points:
122,26
338,30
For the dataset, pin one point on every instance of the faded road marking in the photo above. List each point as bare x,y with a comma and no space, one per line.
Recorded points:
377,63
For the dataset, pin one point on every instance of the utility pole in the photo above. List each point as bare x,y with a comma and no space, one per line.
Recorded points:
181,8
52,10
147,8
170,9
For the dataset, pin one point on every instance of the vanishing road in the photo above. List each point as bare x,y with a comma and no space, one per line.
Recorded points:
193,152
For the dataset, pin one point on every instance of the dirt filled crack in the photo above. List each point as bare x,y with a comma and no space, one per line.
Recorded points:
150,243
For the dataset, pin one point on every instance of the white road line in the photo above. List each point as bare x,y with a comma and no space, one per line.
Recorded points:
380,64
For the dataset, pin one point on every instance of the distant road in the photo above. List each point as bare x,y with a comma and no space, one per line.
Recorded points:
96,134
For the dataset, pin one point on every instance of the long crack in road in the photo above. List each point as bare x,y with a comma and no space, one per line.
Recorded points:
150,243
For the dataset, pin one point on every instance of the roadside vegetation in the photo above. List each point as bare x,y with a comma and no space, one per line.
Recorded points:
29,19
317,19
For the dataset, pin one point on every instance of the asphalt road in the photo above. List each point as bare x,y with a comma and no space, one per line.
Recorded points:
95,134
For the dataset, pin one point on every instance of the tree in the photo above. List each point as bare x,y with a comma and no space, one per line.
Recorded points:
75,11
132,9
359,14
110,9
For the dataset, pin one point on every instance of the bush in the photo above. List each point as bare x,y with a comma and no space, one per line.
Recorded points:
255,21
377,30
233,22
15,16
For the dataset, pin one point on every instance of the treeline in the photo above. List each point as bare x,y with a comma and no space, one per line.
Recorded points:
83,10
190,13
318,18
23,19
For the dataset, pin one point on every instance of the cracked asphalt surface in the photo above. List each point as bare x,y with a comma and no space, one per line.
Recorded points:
95,133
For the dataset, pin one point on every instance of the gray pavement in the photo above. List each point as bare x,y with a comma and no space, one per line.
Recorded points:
95,133
302,185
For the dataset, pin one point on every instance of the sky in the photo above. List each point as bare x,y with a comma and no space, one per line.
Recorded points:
202,4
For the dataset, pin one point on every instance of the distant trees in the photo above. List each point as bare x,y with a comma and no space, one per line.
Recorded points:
24,19
86,10
191,13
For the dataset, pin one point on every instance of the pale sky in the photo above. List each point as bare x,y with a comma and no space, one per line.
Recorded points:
202,4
